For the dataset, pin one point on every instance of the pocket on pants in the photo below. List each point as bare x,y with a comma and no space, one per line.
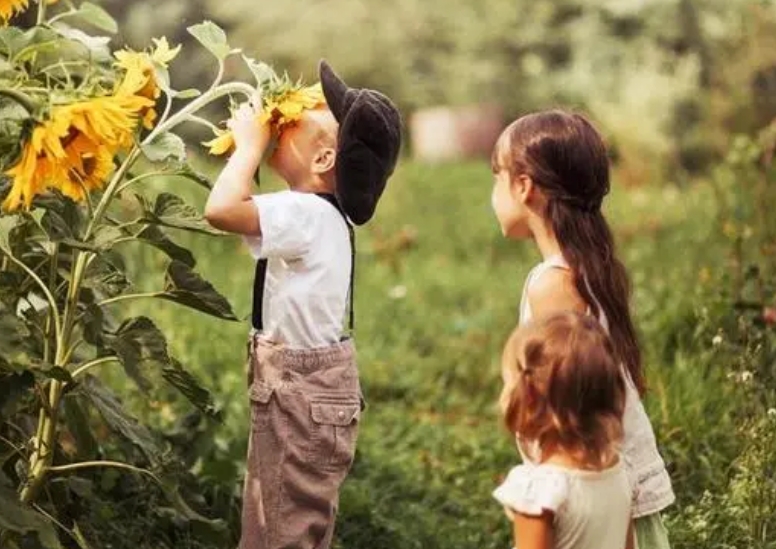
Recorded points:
260,395
334,432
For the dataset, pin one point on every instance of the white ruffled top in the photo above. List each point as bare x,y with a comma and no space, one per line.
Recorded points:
591,509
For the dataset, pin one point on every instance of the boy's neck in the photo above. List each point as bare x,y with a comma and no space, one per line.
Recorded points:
315,185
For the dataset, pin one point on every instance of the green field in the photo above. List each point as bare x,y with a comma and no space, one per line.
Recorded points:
436,294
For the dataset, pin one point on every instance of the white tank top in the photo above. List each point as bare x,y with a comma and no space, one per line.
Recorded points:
646,468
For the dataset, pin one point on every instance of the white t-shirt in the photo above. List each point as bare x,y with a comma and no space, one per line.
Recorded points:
592,509
307,245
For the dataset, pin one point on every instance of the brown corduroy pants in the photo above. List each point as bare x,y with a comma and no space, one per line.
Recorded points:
305,410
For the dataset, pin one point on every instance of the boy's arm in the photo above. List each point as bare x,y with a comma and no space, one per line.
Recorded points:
230,206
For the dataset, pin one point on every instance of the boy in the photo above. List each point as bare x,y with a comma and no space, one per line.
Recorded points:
303,381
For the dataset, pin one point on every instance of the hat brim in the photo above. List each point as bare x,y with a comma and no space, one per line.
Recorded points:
334,90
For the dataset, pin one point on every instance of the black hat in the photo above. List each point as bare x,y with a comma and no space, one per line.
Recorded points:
369,140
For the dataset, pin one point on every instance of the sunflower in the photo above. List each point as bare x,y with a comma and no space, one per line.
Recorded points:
110,120
73,149
281,108
9,8
140,75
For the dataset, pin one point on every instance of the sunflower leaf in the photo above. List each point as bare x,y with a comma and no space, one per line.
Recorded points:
22,519
156,237
186,287
189,93
164,146
138,341
105,275
260,70
169,210
119,420
106,236
180,378
98,45
78,426
212,37
189,173
7,224
95,16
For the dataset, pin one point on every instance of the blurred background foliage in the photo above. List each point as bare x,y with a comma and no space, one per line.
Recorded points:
685,92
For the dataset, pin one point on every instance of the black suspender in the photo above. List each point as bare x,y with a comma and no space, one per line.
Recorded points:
261,272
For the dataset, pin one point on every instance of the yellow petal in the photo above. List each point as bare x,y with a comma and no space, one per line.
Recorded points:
9,8
221,144
163,54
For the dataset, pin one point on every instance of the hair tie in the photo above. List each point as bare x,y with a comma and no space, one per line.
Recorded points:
587,206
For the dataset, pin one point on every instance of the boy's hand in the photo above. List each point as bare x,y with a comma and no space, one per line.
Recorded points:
250,135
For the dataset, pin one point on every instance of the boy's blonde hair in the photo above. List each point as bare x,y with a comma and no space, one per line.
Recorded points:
564,389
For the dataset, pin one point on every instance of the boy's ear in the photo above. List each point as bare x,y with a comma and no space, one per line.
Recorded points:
324,160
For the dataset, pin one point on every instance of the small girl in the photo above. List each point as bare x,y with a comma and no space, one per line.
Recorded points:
551,175
563,393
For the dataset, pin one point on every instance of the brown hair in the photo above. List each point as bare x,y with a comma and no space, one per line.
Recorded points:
566,158
563,387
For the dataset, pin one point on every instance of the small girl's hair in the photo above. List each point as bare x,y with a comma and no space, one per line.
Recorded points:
566,158
563,387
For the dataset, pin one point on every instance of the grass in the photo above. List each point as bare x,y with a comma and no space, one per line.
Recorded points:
436,295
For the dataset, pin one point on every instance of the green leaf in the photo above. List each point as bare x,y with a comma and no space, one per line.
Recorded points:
185,287
170,210
155,236
24,45
78,424
7,224
9,38
96,16
19,346
64,218
105,275
261,71
164,146
172,492
82,487
191,388
22,519
200,179
119,420
190,93
212,37
14,390
162,75
92,319
136,341
55,372
96,44
105,237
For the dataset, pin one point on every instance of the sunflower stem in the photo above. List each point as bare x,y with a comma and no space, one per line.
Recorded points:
41,12
21,98
49,296
43,443
126,297
219,75
93,364
107,196
197,104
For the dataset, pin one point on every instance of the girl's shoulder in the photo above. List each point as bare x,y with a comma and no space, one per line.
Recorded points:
553,289
533,489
